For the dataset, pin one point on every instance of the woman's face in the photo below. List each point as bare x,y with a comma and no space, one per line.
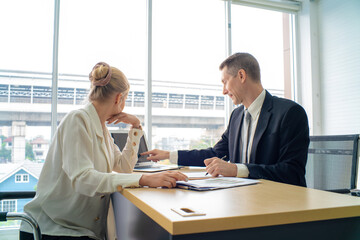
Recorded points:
122,102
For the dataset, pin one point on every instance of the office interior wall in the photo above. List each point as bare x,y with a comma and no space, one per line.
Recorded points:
307,84
339,48
328,80
339,53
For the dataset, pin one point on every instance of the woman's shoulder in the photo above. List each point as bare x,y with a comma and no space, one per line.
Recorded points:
75,116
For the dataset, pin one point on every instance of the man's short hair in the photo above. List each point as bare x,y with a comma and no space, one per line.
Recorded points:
244,61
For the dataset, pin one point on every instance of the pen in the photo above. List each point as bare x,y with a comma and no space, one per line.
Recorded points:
220,159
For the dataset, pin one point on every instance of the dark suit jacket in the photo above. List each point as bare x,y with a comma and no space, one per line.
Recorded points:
280,144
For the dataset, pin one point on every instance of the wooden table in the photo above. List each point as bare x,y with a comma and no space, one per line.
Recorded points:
267,210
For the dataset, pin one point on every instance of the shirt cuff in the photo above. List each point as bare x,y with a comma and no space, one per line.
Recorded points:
136,133
242,170
174,157
127,180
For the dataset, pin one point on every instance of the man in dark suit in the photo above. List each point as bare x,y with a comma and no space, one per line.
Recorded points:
270,143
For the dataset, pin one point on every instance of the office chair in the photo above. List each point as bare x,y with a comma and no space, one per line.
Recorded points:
5,216
332,163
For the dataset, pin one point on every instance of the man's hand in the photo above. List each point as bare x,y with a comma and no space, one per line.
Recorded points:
125,118
162,179
215,166
156,155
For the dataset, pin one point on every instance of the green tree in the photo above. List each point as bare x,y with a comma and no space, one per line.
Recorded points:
5,154
200,144
29,153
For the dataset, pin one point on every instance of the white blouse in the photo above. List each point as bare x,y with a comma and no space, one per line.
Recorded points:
73,191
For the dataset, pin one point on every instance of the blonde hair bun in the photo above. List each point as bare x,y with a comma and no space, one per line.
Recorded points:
100,74
106,81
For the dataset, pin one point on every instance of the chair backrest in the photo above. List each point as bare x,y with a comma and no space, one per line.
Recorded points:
332,162
6,216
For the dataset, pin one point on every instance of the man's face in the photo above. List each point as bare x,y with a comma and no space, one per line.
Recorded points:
232,86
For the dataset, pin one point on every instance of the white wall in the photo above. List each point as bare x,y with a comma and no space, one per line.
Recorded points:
328,83
339,47
329,61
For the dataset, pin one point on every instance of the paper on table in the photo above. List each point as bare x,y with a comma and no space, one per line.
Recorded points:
197,175
215,183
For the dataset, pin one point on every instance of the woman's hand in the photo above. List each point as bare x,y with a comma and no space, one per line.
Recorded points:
156,155
125,118
162,179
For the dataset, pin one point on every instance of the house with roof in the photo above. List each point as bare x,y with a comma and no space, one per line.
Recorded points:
18,177
40,148
8,142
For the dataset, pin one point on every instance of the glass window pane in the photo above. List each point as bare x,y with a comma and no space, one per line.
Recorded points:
9,205
260,33
25,76
92,31
17,178
25,93
188,47
25,178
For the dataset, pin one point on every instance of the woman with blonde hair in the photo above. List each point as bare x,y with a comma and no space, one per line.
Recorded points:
78,177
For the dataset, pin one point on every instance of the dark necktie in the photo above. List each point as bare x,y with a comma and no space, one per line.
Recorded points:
245,142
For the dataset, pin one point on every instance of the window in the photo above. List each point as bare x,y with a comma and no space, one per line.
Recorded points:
186,53
188,44
25,177
91,31
25,67
18,178
264,40
8,205
22,178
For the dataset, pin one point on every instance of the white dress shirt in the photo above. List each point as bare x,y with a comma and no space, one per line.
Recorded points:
73,191
254,109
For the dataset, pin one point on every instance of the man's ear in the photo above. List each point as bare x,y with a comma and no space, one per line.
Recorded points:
118,98
242,75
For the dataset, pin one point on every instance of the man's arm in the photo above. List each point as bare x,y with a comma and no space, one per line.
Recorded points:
196,157
186,157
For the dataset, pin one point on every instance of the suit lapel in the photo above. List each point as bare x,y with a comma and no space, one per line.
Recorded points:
262,124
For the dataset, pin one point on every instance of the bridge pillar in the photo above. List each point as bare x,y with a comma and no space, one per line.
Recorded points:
18,144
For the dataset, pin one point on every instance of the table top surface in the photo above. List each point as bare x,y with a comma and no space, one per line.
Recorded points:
264,204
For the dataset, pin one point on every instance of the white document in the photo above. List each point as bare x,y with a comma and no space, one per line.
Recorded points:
215,183
197,175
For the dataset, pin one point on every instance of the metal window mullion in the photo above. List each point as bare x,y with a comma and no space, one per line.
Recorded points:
31,92
228,52
199,105
294,63
74,96
9,89
184,101
148,78
167,100
280,6
132,99
55,72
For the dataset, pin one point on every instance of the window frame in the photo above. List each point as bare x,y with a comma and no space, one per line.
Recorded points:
9,201
22,177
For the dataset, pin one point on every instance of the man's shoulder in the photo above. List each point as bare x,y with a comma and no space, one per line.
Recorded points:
284,103
235,114
283,106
